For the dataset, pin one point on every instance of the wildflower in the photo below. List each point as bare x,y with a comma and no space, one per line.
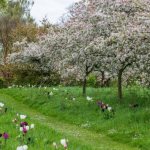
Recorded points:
89,98
64,143
23,116
1,104
5,136
31,126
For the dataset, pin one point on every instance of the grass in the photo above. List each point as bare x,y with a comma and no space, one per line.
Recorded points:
129,126
42,136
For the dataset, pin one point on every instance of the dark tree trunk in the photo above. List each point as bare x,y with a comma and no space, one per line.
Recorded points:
84,86
120,84
103,79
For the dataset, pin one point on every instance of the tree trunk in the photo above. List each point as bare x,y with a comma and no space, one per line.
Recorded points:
84,86
120,85
103,79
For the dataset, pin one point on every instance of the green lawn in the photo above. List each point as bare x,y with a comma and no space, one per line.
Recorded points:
128,129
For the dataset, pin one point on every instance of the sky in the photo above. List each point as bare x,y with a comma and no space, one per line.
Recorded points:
52,9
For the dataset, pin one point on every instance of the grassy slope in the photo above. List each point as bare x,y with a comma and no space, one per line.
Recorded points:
42,136
50,130
129,126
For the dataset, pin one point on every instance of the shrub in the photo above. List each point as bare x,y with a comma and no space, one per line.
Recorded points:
91,81
2,83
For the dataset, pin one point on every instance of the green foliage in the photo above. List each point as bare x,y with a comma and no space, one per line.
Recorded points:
33,77
113,83
91,80
2,4
2,83
108,115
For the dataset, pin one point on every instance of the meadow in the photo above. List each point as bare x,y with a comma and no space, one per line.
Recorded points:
62,112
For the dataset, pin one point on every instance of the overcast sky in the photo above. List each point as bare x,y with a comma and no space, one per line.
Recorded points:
53,9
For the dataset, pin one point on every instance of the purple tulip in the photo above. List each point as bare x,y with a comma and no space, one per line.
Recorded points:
5,136
22,124
24,130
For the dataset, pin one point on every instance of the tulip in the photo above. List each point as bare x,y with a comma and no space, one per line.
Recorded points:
23,116
1,104
32,126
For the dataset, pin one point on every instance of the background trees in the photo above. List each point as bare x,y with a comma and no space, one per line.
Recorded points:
110,37
15,14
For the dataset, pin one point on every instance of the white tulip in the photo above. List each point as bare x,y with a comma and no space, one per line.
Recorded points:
23,116
24,147
1,104
89,98
27,128
63,142
109,109
21,129
32,126
51,94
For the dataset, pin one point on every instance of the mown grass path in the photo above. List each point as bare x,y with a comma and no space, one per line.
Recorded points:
95,140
